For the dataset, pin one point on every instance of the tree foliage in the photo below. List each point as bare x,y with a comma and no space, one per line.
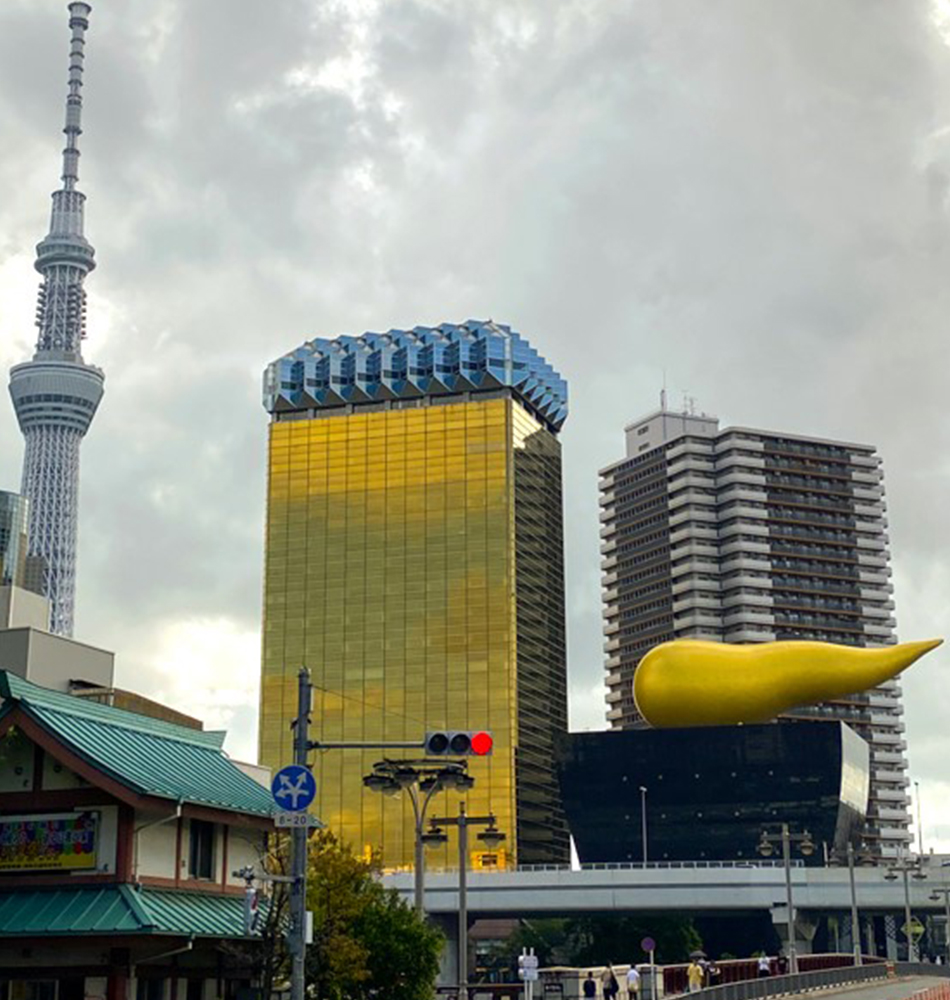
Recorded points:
596,939
366,941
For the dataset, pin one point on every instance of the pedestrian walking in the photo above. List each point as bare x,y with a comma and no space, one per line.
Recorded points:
764,966
609,984
694,974
590,986
713,974
633,983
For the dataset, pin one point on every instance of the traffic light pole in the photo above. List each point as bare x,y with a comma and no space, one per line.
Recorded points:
297,938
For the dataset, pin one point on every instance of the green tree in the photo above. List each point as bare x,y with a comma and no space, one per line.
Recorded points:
597,939
366,941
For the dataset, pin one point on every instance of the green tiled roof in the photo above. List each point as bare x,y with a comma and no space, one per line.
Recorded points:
149,756
119,909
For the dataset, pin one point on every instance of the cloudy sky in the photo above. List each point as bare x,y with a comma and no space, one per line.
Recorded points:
750,196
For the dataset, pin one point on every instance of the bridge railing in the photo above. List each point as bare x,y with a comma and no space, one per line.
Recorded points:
616,866
774,986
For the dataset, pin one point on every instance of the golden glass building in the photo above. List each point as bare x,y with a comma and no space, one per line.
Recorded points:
414,563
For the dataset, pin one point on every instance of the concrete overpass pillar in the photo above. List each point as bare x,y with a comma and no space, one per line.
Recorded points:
448,923
805,927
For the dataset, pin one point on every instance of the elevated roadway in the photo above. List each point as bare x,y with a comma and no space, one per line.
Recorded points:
680,889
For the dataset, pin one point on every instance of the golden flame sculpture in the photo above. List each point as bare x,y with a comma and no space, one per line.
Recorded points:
691,682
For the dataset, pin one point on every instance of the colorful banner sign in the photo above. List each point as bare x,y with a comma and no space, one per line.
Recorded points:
48,843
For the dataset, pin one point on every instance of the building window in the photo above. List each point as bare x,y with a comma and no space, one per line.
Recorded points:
201,851
150,989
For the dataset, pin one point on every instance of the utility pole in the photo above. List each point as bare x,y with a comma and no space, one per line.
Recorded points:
297,937
643,817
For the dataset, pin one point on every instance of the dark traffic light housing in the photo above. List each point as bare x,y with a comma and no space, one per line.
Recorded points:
458,743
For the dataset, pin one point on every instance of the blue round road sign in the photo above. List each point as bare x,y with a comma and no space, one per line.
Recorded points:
293,788
648,944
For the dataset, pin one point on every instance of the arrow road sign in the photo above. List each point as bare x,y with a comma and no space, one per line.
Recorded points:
916,929
293,788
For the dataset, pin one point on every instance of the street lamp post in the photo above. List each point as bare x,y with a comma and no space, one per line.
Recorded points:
855,925
908,869
421,780
643,821
491,837
806,845
944,891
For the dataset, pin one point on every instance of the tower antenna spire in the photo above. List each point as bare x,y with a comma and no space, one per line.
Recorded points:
56,394
79,24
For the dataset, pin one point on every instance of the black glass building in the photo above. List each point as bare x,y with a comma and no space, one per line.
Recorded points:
711,791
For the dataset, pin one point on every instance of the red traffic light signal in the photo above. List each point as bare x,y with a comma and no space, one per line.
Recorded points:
458,743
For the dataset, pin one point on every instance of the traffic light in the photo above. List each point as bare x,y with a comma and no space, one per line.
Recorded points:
458,743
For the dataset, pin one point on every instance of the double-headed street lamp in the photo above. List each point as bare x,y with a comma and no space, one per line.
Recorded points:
421,779
807,846
909,868
492,838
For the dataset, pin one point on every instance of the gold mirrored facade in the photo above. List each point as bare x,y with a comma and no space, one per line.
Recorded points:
414,563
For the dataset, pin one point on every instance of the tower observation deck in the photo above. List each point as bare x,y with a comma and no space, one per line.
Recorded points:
56,394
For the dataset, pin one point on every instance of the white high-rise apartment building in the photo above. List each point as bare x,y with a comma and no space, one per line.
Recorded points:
743,535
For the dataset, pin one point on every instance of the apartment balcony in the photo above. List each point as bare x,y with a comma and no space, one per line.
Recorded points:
863,493
689,584
742,491
872,560
695,619
693,548
733,604
613,697
866,461
883,814
755,463
889,722
611,627
703,563
692,513
744,633
741,477
892,741
710,604
727,546
691,495
688,463
745,579
871,543
703,448
873,577
875,509
732,440
614,715
877,699
894,796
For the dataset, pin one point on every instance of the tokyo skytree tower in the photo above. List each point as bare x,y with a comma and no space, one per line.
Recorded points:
56,394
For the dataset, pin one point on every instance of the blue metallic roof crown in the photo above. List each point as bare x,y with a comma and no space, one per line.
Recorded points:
474,356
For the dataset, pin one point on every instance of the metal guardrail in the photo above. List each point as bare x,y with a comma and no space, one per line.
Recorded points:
922,969
802,982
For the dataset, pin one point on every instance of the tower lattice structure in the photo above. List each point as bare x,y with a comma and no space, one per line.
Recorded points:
56,394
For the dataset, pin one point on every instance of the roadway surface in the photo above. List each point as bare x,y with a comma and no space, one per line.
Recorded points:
889,989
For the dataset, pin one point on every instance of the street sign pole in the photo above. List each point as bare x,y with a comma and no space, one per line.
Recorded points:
297,939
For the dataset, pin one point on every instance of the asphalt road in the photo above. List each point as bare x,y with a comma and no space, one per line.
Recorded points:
891,989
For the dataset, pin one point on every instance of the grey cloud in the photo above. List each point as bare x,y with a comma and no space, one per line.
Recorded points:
751,197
